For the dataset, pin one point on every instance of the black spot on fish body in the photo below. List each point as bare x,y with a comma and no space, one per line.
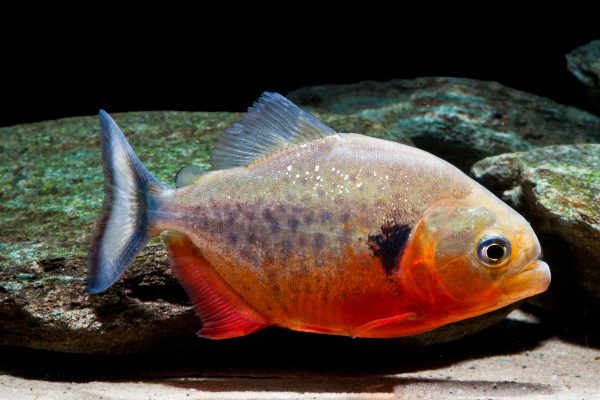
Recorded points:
231,218
267,214
251,238
309,218
325,216
293,223
274,226
302,241
232,237
270,218
389,245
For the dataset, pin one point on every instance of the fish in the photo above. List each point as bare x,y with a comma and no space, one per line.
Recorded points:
302,227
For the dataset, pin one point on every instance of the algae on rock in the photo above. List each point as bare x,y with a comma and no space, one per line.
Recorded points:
558,189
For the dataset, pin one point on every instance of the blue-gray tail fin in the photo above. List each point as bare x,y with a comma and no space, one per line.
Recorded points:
130,193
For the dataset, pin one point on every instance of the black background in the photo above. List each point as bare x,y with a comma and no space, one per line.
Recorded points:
224,66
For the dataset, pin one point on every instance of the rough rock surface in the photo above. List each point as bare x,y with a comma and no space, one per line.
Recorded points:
558,189
584,63
460,120
50,195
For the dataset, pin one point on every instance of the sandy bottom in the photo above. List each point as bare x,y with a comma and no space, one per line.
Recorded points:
519,358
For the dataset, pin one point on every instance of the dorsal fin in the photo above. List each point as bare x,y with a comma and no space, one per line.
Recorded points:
271,124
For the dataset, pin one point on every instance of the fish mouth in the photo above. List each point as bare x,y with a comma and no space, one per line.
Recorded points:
531,280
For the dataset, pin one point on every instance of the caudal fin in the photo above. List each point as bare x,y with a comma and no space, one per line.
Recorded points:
130,194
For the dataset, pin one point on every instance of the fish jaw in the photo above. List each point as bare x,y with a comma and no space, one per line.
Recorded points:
530,281
533,276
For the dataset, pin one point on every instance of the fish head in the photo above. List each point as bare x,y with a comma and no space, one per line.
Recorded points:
471,256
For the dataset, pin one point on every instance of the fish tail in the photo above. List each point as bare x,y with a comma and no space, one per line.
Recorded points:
128,221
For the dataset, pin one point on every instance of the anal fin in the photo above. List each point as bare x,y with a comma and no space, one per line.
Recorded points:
224,313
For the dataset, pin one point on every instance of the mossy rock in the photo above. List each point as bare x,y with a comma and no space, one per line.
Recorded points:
558,189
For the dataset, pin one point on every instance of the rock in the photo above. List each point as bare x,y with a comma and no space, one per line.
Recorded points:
584,63
460,120
558,189
51,194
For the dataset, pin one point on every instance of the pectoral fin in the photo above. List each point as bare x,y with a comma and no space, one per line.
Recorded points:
224,313
369,327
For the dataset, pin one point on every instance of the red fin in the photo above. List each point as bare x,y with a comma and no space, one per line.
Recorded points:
223,312
317,329
378,323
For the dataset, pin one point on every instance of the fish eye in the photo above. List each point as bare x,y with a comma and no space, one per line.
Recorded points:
493,251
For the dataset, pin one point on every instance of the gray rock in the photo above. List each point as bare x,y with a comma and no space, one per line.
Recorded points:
558,189
584,63
50,196
460,120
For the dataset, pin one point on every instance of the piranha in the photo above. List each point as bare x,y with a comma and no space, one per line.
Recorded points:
299,226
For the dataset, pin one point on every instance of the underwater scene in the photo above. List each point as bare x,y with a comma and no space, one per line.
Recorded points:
429,237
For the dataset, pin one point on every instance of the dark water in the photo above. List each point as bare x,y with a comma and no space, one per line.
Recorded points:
210,73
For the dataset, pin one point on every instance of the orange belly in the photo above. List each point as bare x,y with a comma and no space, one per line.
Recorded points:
299,295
